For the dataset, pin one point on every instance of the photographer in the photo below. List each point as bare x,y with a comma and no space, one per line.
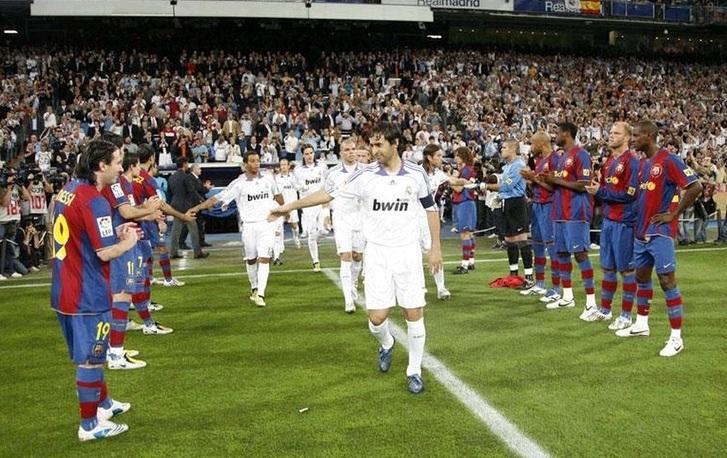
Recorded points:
31,243
11,196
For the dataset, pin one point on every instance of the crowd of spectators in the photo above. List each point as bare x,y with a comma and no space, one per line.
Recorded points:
214,106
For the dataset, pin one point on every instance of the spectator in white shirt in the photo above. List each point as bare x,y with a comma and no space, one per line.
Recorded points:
221,148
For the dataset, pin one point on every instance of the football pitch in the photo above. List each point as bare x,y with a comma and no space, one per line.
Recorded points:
299,378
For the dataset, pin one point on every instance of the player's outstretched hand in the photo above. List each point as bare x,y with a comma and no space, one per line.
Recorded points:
593,188
528,174
662,218
154,202
190,216
277,212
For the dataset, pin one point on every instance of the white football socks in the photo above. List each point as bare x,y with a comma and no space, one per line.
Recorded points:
382,334
313,245
439,279
567,294
417,335
252,274
263,272
346,281
355,271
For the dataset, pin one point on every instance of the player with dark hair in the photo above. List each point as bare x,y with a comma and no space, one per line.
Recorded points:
255,195
617,191
309,179
464,207
84,242
392,193
662,175
572,212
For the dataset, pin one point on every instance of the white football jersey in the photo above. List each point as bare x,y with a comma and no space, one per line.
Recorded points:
348,210
287,186
37,199
255,197
309,179
436,179
391,204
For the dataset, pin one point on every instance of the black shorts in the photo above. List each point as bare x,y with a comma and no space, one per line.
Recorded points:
516,216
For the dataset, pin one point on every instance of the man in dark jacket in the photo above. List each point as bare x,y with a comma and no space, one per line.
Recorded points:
184,194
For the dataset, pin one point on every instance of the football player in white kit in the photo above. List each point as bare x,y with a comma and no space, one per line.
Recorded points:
347,224
309,179
432,163
392,193
286,184
255,195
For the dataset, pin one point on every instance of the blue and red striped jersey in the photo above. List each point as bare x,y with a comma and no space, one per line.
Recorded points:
660,180
619,183
468,173
145,186
117,195
82,225
568,205
544,165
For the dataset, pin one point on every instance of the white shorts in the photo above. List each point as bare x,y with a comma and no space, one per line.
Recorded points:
312,220
258,239
425,238
394,275
347,239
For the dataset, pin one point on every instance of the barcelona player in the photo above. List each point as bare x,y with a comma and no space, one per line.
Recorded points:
84,242
661,176
617,191
542,222
572,211
464,207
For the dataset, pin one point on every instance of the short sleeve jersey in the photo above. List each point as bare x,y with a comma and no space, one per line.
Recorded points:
391,204
82,225
544,165
255,197
660,180
619,181
309,179
467,173
568,205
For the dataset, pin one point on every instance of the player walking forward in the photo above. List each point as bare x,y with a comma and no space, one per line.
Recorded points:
432,163
287,186
391,192
661,176
309,179
347,224
572,211
84,241
255,195
617,191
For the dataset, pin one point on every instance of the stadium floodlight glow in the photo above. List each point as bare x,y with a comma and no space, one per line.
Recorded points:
435,37
10,32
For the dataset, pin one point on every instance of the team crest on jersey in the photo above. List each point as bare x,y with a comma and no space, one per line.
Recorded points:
116,189
656,170
586,172
631,191
688,172
104,226
569,162
619,168
409,191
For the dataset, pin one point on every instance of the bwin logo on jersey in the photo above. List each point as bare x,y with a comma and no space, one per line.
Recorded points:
399,205
261,196
314,181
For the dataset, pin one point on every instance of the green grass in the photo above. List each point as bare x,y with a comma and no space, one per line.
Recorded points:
231,379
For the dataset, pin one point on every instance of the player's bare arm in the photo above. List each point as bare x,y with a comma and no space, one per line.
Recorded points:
319,197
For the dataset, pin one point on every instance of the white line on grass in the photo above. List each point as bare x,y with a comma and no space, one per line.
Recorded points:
297,271
515,439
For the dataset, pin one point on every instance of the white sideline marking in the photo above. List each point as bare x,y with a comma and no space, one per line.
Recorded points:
496,422
297,271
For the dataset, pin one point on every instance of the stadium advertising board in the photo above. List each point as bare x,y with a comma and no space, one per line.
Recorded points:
485,5
589,7
639,10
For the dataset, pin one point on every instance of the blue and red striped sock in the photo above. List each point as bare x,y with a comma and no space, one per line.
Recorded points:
141,302
554,267
566,267
88,385
119,317
587,276
539,252
165,264
473,247
674,307
608,289
643,298
627,301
